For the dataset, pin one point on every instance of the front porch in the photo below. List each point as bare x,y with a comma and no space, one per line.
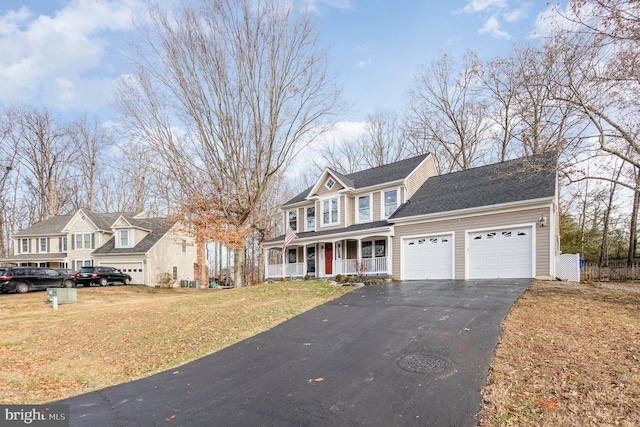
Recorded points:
367,256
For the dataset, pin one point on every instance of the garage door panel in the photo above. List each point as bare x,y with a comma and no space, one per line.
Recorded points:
501,253
428,257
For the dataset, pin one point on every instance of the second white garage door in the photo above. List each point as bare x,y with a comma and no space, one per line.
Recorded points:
133,269
504,253
428,258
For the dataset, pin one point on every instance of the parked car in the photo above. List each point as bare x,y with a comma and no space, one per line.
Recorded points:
102,275
69,272
24,279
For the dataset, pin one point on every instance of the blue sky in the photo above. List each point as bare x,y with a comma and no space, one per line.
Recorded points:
66,54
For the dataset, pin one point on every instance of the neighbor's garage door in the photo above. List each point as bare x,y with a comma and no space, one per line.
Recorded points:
133,269
428,257
504,253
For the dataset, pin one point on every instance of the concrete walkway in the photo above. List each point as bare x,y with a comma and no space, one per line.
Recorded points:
397,354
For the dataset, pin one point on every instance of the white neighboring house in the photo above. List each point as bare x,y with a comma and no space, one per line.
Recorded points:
142,247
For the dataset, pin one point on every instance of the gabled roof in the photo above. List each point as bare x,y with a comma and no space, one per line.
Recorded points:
527,178
157,227
335,231
391,172
53,225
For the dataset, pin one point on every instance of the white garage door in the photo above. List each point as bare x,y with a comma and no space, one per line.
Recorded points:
133,269
428,257
504,253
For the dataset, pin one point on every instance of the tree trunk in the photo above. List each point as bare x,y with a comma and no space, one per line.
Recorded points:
633,229
239,263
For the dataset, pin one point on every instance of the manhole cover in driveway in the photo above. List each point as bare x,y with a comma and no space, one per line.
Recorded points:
422,363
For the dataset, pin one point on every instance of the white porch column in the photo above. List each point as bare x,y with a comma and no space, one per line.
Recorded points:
265,260
389,256
304,260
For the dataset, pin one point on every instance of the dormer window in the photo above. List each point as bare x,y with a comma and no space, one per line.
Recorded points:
124,238
330,183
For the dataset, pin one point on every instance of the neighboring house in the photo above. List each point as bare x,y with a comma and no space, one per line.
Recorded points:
402,220
140,246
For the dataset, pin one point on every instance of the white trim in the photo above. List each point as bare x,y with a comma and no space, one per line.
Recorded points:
288,221
500,227
315,218
429,235
357,209
329,199
382,201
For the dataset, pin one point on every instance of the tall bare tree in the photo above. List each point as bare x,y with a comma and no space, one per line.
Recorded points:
447,115
383,142
227,92
48,159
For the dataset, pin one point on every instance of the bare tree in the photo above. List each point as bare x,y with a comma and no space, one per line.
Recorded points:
383,141
48,159
227,93
447,115
91,140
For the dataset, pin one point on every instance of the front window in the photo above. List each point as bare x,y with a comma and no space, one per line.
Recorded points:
390,202
293,256
293,220
79,263
364,208
380,248
123,239
174,274
311,218
311,259
63,244
24,245
366,249
84,240
330,211
43,244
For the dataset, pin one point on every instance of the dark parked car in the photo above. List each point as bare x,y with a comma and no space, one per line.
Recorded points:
23,279
69,272
101,275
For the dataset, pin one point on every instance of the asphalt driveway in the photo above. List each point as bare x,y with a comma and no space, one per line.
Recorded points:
397,354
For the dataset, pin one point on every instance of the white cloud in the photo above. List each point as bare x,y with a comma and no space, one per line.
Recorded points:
61,59
517,14
549,21
474,6
314,5
492,26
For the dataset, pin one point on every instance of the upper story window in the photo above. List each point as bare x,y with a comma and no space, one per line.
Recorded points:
292,218
390,202
184,246
311,218
63,244
124,238
24,245
43,244
330,183
330,211
364,208
84,240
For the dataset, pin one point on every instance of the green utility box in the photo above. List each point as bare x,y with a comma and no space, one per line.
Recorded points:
65,295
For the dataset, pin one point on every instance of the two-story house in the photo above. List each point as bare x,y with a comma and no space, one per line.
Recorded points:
402,220
141,246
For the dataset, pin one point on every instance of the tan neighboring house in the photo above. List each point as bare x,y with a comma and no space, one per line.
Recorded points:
141,246
402,220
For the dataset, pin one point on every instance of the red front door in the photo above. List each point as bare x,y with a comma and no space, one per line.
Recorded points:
328,258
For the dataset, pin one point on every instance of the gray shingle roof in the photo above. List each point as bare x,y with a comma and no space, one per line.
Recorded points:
511,181
367,178
356,227
158,226
53,225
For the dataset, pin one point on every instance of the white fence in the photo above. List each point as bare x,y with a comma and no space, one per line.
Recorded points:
568,267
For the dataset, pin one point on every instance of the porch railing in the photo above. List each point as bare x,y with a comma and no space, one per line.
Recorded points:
365,266
290,270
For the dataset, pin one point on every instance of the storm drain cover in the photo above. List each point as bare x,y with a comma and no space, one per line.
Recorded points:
422,363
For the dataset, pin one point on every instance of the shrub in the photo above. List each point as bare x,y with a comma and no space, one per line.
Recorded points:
307,277
164,280
338,277
282,279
